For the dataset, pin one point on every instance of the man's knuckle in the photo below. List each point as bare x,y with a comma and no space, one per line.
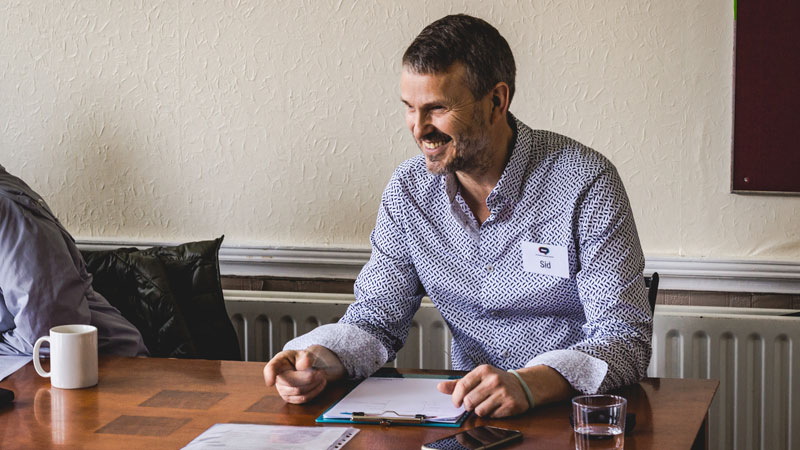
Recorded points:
290,390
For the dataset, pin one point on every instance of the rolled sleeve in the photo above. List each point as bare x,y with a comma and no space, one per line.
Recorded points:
361,353
585,373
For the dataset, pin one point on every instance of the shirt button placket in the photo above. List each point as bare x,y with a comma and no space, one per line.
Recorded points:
487,268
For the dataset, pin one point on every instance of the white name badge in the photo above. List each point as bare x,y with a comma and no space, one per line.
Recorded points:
545,259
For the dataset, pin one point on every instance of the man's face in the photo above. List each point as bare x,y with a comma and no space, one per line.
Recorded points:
447,122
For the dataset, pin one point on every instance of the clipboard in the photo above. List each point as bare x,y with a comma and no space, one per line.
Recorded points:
396,399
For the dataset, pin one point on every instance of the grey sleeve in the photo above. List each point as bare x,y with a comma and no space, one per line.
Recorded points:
41,285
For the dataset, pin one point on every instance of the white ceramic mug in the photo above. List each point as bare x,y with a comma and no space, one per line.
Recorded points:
73,356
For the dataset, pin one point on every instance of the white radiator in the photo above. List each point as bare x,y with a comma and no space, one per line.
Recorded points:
753,352
265,321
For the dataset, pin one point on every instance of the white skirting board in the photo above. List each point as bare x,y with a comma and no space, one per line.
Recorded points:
755,353
683,274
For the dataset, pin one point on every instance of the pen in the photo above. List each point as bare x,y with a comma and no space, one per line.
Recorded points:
388,411
364,417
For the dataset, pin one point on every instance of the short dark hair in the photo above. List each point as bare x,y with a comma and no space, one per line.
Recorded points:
467,40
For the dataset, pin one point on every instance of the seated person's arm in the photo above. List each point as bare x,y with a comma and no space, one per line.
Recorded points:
40,284
616,348
373,329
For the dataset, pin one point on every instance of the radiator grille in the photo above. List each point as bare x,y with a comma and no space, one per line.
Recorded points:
754,354
265,321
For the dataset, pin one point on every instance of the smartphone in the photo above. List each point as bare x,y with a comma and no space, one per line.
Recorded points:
479,438
6,396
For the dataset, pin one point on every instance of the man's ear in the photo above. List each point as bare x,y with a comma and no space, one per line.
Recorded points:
500,101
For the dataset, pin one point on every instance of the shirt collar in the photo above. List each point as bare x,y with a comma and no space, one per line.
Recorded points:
509,186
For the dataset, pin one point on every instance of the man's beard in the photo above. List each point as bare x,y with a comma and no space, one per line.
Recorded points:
472,152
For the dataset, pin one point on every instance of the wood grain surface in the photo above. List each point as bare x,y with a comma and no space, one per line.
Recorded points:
157,403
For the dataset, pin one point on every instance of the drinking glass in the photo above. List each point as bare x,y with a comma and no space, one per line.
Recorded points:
599,421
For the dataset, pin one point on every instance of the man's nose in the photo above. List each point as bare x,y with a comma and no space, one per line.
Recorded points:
421,124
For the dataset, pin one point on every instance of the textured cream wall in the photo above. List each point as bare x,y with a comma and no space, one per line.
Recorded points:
279,122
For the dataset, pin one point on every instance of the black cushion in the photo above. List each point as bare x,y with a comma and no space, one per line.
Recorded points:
173,295
137,285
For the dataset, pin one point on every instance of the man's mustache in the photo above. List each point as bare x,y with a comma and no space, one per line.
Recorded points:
435,136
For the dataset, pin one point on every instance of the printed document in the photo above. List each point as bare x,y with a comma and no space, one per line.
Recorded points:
271,437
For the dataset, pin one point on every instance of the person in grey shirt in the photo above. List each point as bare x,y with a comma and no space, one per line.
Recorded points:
44,282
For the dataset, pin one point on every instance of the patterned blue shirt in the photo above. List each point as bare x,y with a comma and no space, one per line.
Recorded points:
593,326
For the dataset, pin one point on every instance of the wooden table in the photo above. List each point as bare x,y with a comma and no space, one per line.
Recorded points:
165,403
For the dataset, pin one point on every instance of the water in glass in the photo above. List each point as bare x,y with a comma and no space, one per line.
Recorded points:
599,436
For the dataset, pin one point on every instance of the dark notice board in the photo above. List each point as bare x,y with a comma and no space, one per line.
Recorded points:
766,122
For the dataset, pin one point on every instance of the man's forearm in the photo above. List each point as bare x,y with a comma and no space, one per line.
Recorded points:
546,384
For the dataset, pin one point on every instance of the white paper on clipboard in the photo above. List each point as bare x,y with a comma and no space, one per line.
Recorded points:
397,397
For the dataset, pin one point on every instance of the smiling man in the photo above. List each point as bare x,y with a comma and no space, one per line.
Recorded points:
523,239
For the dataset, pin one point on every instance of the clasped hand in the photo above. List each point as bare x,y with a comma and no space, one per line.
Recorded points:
488,392
300,375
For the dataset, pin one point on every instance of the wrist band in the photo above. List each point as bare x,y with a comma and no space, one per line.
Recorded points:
525,388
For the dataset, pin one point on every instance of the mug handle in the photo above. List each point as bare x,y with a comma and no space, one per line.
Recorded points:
36,364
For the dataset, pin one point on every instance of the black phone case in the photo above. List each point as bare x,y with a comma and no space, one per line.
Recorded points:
6,396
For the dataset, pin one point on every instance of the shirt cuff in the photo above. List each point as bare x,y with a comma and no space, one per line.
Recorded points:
361,353
585,373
